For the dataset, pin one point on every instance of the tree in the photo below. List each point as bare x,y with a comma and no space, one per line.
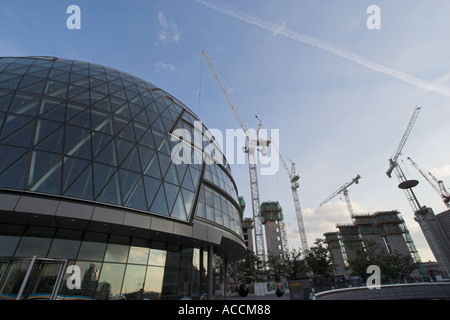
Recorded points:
248,270
318,260
276,268
394,266
370,254
293,265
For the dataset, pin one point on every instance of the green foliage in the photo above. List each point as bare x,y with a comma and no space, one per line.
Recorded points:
318,260
248,270
392,265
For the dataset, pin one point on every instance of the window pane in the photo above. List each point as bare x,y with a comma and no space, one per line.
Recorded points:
116,253
133,282
157,257
92,251
138,255
110,281
33,246
89,272
8,245
64,249
153,283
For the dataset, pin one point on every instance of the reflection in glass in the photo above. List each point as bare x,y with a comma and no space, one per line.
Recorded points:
89,272
8,245
64,249
138,255
153,283
116,253
92,251
133,283
33,246
157,257
110,281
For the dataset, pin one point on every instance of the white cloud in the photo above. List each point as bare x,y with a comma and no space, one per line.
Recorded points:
162,66
168,30
441,172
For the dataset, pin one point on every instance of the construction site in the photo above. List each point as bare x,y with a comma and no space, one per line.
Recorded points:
265,232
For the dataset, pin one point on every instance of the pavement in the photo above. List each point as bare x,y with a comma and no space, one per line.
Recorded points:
285,296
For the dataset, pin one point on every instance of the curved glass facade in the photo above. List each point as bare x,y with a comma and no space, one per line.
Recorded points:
81,130
112,267
87,182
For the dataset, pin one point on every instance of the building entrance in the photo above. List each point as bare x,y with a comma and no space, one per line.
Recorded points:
31,278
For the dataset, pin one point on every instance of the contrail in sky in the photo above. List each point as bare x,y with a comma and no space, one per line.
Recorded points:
282,30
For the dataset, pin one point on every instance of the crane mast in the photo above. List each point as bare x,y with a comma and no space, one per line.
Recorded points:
293,178
393,160
394,166
251,150
438,185
344,191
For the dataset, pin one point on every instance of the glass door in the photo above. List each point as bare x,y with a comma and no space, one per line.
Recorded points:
28,279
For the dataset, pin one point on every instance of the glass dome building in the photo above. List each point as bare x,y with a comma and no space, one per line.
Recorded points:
91,205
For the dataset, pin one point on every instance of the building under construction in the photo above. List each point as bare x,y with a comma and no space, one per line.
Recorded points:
387,229
272,219
436,229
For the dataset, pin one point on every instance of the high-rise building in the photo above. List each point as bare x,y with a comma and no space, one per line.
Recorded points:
436,229
88,189
247,227
386,229
272,216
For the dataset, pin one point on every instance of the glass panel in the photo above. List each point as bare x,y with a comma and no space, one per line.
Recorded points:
179,211
33,246
73,134
99,142
111,193
10,155
123,148
157,257
89,278
82,187
50,182
54,142
153,168
64,249
13,282
13,123
110,281
138,255
133,283
14,177
170,284
45,275
102,174
92,251
82,149
72,169
137,199
8,245
116,253
159,204
43,129
132,161
151,188
153,283
171,194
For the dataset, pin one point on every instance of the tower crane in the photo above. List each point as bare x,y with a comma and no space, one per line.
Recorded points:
252,146
344,191
405,184
438,185
293,178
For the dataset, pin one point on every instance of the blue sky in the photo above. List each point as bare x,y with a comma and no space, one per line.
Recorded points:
338,117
